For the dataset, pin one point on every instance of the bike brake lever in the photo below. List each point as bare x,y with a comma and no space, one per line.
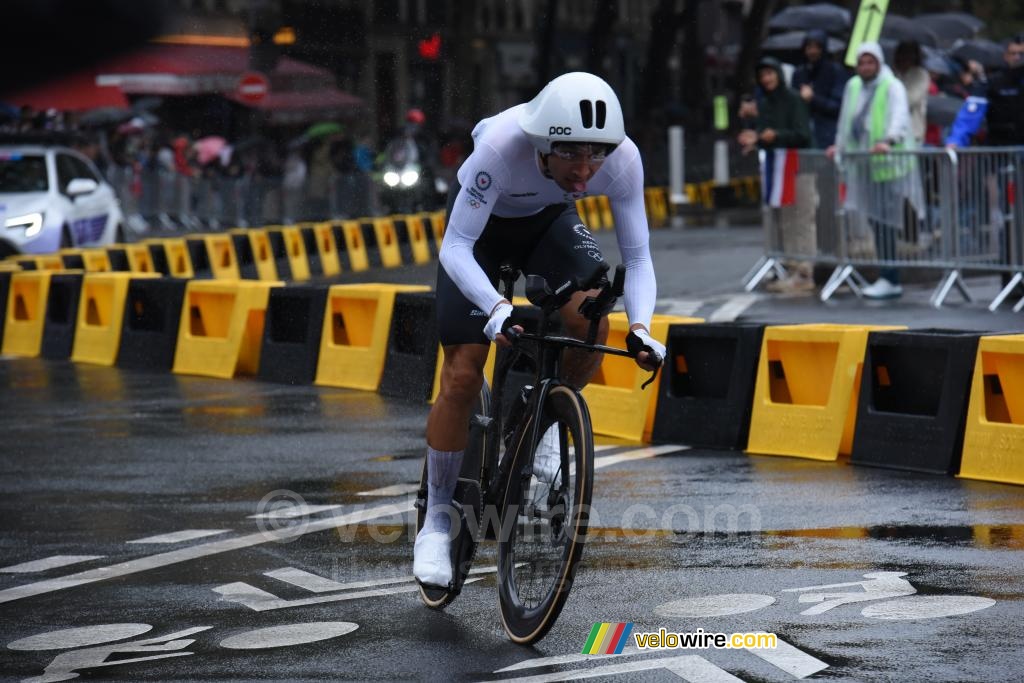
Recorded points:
654,376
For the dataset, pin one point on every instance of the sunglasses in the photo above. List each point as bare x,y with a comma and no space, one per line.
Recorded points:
577,155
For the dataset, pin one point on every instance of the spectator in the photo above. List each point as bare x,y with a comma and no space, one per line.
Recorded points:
820,81
970,80
916,81
874,117
781,123
1002,109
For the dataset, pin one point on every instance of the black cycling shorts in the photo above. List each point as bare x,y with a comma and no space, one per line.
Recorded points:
553,243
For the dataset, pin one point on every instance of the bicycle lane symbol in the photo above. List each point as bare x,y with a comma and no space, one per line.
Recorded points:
77,660
892,598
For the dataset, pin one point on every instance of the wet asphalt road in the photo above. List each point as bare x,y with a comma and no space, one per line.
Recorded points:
94,460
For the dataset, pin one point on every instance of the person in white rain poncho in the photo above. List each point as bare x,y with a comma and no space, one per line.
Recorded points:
875,118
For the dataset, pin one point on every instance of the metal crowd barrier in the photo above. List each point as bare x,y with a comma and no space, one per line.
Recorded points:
955,211
169,200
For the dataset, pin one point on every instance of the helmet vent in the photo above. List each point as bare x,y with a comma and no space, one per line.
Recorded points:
587,113
601,111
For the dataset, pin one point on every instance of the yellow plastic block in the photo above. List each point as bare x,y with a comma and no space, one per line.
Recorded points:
295,247
26,312
617,405
49,262
220,251
417,239
605,207
9,267
179,261
387,242
262,252
100,316
327,248
96,261
994,434
139,258
355,246
808,382
354,341
437,226
221,327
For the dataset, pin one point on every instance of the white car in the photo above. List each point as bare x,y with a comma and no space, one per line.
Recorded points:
53,197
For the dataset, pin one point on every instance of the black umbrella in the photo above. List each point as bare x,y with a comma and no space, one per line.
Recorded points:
789,46
981,50
901,28
951,26
932,58
942,109
825,16
103,116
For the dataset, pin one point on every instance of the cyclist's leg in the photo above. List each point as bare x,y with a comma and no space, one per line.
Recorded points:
465,351
568,250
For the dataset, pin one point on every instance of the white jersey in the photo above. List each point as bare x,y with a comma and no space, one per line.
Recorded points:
503,177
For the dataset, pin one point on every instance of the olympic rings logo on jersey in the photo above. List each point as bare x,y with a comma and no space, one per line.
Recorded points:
483,180
473,203
596,255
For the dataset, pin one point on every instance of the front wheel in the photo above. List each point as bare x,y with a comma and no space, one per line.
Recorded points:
545,514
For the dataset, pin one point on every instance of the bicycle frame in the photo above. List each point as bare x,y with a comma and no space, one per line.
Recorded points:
546,376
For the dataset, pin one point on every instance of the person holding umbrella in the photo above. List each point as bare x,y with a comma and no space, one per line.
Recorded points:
820,81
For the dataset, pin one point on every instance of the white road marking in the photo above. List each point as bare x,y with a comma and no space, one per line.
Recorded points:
181,536
393,490
206,550
288,635
292,511
47,563
635,454
261,601
685,308
692,668
714,605
733,308
83,636
790,659
567,659
260,537
926,607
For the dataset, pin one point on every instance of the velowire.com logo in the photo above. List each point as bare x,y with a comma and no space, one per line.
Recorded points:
608,639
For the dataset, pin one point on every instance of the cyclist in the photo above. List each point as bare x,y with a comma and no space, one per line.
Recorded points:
515,202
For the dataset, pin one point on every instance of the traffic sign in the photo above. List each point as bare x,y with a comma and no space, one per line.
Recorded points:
253,87
867,28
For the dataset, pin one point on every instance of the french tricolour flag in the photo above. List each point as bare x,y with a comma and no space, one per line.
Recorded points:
778,176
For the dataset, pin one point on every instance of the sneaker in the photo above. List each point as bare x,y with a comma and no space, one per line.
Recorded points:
547,459
882,289
432,561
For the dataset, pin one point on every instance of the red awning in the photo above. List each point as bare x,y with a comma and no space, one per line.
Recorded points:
164,69
75,92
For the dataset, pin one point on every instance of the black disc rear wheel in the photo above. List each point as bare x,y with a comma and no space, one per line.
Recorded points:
544,523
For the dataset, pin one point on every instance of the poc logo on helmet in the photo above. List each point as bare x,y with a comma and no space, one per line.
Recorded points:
559,130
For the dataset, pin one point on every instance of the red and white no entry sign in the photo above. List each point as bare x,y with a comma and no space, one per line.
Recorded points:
253,87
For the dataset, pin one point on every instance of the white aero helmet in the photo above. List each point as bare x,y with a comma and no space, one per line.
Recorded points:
575,107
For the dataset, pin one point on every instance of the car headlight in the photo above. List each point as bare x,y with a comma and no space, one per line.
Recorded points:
391,178
409,178
31,223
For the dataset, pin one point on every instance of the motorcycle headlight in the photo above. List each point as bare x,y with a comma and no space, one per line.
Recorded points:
391,179
409,178
31,223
